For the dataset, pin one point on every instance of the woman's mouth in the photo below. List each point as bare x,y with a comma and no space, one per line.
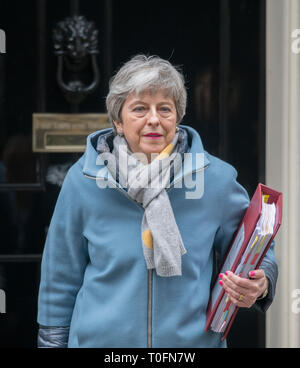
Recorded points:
153,135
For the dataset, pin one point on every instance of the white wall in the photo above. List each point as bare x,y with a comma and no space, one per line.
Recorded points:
283,165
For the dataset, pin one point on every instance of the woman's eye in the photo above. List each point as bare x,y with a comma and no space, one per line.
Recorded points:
139,109
165,109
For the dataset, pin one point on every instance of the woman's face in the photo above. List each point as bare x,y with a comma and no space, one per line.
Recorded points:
148,122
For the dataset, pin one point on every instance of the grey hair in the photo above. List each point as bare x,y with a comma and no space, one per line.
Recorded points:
142,73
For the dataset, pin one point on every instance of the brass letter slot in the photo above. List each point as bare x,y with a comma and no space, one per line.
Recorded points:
65,132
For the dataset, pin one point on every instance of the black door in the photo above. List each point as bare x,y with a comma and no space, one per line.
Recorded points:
220,45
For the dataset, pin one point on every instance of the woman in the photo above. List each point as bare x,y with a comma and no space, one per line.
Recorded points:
129,256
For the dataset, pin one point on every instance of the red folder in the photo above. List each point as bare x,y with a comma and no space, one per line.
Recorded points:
249,222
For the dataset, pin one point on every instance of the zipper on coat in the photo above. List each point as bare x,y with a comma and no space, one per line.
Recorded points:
149,309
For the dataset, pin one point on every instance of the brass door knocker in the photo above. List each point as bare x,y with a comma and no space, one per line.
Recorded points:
75,43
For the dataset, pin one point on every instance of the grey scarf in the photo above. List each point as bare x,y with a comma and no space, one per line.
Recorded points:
146,183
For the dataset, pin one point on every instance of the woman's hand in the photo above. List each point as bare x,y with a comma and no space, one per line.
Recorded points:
241,291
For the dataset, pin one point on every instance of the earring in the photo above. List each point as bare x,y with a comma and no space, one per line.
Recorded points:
177,129
120,134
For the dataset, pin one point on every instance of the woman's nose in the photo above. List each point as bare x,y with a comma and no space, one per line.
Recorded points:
153,116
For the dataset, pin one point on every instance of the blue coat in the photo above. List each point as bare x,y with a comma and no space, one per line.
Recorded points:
94,277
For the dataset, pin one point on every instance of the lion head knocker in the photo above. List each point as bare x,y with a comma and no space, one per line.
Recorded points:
75,44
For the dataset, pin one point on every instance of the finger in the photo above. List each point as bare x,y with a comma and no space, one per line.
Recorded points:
235,296
260,279
252,291
232,289
239,299
240,282
235,291
232,286
257,274
236,301
240,303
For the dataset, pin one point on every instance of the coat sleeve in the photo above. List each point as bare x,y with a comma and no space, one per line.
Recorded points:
64,260
235,201
53,337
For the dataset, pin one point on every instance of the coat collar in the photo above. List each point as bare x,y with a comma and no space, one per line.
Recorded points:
195,160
